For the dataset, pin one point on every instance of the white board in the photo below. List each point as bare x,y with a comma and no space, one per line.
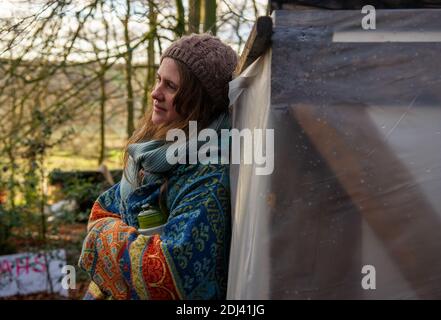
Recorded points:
26,273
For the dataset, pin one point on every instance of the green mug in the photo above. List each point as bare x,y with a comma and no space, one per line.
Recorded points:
150,218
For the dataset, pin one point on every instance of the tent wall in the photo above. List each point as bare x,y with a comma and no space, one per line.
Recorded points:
357,176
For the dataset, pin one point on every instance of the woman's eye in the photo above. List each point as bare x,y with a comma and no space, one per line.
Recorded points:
171,85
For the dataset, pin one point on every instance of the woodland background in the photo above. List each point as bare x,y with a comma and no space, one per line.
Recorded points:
75,78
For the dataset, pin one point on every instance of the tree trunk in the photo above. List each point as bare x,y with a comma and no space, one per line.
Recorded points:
151,69
180,25
194,16
210,16
102,79
128,58
12,176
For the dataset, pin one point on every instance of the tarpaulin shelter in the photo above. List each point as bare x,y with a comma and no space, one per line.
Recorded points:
356,116
352,4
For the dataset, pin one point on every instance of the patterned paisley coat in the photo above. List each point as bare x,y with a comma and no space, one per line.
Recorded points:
189,260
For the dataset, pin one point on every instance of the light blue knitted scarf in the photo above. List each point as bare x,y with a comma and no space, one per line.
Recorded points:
151,157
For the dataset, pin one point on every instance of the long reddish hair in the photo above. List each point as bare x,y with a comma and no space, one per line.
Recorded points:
192,102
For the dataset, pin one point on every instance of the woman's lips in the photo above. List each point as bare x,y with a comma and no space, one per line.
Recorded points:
159,108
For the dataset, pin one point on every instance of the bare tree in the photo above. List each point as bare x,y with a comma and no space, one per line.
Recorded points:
210,16
194,16
151,66
180,23
69,65
128,63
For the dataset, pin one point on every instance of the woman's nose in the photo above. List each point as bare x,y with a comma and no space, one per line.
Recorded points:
156,93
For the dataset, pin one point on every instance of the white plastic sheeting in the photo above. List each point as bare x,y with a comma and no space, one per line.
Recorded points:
353,207
249,265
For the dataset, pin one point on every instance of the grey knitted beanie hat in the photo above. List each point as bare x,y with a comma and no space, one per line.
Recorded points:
209,59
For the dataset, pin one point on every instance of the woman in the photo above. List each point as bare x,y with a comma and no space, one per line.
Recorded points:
189,259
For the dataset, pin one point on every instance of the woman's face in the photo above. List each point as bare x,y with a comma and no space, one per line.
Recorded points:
166,87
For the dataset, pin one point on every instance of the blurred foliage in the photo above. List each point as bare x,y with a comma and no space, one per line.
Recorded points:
83,188
75,76
8,220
